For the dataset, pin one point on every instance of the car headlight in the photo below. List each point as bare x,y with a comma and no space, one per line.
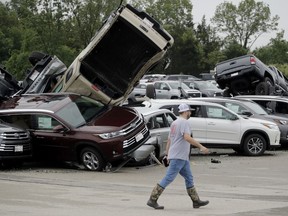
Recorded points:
111,135
271,126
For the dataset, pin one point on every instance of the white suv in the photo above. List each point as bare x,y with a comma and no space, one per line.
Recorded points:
214,125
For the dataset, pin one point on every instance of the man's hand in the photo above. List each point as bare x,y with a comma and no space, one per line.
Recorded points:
204,150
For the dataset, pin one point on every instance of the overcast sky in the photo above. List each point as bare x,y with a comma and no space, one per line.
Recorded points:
277,7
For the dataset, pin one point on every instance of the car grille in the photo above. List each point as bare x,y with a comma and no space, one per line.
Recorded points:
194,94
135,124
131,143
11,139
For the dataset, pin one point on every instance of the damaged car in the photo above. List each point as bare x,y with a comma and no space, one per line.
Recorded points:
129,44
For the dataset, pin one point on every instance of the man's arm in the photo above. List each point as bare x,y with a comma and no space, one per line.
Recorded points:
168,146
195,143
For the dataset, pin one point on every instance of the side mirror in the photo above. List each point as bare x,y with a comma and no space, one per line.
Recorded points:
166,88
234,118
246,113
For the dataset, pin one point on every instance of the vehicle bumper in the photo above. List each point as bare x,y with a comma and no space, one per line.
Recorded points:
142,153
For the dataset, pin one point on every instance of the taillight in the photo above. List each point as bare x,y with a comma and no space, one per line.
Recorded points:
95,87
252,60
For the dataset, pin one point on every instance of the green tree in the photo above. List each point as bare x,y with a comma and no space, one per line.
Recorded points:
211,44
276,52
244,23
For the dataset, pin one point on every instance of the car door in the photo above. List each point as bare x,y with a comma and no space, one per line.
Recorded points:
222,126
198,123
162,90
50,141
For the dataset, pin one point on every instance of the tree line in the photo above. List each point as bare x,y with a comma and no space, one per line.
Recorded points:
64,28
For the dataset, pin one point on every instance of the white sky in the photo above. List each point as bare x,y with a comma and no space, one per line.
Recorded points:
277,7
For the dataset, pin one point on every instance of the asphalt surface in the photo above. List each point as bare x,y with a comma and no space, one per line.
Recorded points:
237,186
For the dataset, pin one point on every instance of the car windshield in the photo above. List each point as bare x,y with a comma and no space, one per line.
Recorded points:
255,107
80,111
176,85
205,85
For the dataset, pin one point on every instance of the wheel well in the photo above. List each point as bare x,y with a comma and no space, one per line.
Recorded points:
81,146
262,133
268,75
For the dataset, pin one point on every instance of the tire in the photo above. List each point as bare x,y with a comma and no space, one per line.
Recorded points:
254,145
150,91
226,93
36,57
91,159
264,88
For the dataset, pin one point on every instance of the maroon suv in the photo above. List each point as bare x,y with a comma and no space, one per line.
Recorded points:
70,127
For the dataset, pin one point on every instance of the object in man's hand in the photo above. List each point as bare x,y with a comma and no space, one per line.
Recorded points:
165,161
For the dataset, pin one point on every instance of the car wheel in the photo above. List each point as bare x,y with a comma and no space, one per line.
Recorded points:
254,145
226,93
36,57
264,88
91,159
150,91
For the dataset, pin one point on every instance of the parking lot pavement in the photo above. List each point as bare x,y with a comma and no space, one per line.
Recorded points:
238,185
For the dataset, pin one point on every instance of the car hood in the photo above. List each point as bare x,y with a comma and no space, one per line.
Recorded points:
115,119
121,52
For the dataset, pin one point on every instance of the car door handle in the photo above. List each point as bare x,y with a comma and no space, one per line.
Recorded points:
211,123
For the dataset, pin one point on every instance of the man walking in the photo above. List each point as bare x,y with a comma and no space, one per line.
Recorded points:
178,149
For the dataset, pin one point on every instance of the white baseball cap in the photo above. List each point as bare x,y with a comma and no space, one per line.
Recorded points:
183,107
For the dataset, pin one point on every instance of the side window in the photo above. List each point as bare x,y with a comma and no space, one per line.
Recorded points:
217,113
164,86
281,108
157,85
235,107
21,121
43,122
263,104
170,118
196,111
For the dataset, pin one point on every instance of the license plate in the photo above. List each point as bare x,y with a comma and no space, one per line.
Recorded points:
18,148
234,74
139,137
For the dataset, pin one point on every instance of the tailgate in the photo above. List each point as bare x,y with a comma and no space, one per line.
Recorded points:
233,65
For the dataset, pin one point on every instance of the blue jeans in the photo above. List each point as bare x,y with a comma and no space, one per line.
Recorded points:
178,166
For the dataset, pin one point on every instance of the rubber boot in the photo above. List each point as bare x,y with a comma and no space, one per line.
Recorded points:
156,192
195,198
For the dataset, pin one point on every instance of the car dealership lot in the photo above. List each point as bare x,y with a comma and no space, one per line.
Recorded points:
239,185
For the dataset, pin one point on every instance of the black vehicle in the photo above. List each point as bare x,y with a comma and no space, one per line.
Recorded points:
8,84
247,75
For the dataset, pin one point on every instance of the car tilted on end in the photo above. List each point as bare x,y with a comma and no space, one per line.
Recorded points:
70,127
129,44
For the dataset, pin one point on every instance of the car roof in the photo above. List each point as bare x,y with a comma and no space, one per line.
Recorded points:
268,97
161,102
46,102
147,111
